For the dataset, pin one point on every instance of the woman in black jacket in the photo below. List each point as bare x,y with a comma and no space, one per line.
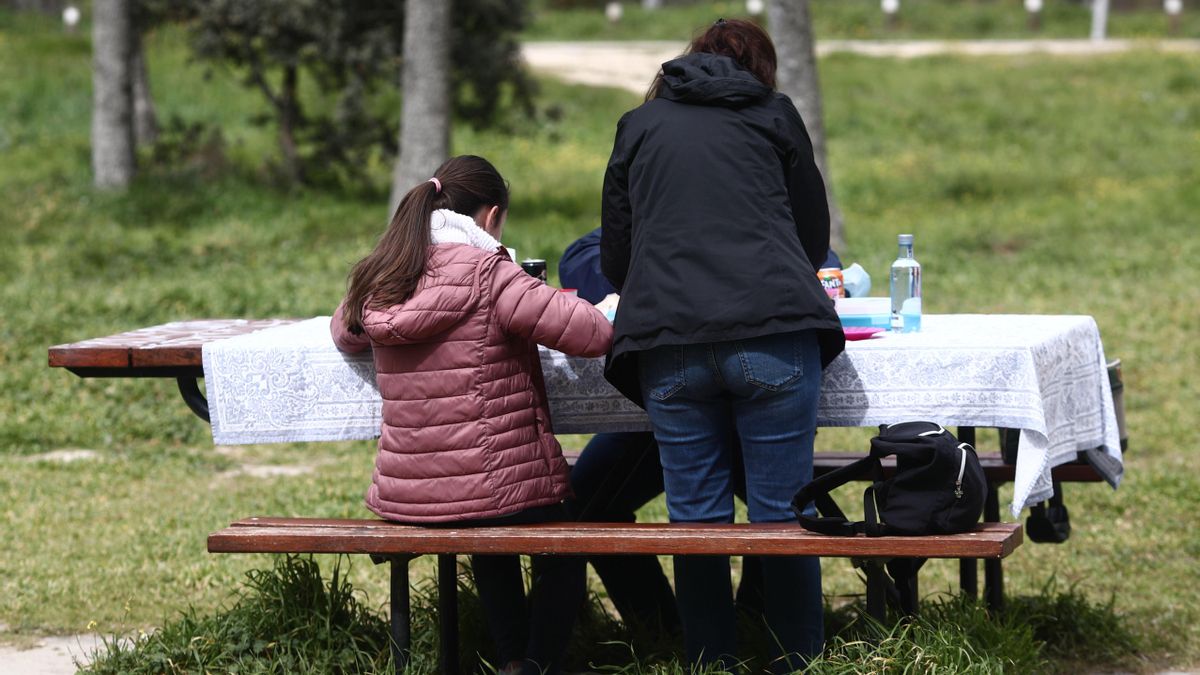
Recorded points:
714,222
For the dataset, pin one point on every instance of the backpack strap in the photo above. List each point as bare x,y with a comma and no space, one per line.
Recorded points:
871,525
832,520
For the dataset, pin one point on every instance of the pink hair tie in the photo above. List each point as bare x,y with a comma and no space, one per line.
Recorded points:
437,184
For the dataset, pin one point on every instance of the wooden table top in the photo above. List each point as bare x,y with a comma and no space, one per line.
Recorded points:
170,346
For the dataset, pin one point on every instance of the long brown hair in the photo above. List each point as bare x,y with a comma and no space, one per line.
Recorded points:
390,273
743,41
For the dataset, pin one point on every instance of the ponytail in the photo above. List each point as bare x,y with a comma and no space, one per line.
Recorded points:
390,273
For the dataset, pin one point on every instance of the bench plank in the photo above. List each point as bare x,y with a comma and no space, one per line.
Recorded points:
306,535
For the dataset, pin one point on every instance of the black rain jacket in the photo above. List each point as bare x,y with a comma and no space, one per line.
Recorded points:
714,218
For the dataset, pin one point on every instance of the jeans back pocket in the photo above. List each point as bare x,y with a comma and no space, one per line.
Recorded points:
772,362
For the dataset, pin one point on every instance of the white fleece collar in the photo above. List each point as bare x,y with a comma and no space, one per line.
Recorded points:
451,227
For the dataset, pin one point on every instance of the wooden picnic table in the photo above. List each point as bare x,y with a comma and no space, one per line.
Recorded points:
174,351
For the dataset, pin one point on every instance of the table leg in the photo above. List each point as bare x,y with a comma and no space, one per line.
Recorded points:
401,636
968,568
192,397
876,589
448,612
968,577
993,572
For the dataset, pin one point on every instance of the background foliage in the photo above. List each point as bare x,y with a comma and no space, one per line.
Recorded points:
330,70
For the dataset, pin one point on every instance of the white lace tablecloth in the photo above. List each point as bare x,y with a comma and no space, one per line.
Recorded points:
1043,375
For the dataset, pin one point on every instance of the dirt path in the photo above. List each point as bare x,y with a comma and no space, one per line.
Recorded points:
50,656
631,65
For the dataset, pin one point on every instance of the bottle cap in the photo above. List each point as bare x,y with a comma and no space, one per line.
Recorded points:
905,239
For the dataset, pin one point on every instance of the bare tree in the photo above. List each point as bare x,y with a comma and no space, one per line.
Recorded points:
145,119
113,161
791,29
1099,19
425,118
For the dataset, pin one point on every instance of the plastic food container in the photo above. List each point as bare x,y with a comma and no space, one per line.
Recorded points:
864,312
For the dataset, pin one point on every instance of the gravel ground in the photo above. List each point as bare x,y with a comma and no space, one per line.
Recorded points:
49,656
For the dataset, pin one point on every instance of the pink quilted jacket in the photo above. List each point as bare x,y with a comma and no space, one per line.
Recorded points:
466,428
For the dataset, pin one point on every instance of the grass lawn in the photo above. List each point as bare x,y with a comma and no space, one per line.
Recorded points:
1033,185
863,19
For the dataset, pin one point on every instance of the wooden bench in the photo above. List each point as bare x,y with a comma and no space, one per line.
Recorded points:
398,544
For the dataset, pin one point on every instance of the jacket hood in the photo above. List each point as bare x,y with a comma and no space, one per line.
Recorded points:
711,79
449,291
430,312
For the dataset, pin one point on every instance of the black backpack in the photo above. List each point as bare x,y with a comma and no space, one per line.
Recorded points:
938,486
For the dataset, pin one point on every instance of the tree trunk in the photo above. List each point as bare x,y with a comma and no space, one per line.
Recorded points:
791,29
145,127
288,106
1099,19
425,117
113,161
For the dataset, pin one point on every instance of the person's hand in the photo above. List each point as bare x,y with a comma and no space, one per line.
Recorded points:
609,305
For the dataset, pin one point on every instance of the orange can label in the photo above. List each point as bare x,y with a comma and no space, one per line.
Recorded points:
832,282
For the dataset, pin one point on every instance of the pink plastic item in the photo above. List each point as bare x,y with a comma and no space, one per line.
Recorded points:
860,332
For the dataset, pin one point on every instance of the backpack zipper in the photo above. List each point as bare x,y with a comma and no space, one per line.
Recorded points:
962,468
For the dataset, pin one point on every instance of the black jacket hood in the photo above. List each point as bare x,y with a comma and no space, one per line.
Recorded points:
711,79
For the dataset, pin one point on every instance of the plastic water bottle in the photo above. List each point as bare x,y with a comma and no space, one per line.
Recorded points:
906,289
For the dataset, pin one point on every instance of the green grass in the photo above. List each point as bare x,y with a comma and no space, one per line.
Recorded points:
289,620
1032,185
292,618
862,19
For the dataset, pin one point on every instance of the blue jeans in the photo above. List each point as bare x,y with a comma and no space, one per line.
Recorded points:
762,391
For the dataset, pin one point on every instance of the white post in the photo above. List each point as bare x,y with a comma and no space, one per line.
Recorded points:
1173,8
1033,8
1099,19
890,9
70,17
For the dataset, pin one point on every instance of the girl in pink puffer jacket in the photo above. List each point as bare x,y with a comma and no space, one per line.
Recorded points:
454,326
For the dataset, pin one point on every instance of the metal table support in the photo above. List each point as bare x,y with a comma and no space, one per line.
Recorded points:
968,568
190,390
877,583
993,571
448,613
399,609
